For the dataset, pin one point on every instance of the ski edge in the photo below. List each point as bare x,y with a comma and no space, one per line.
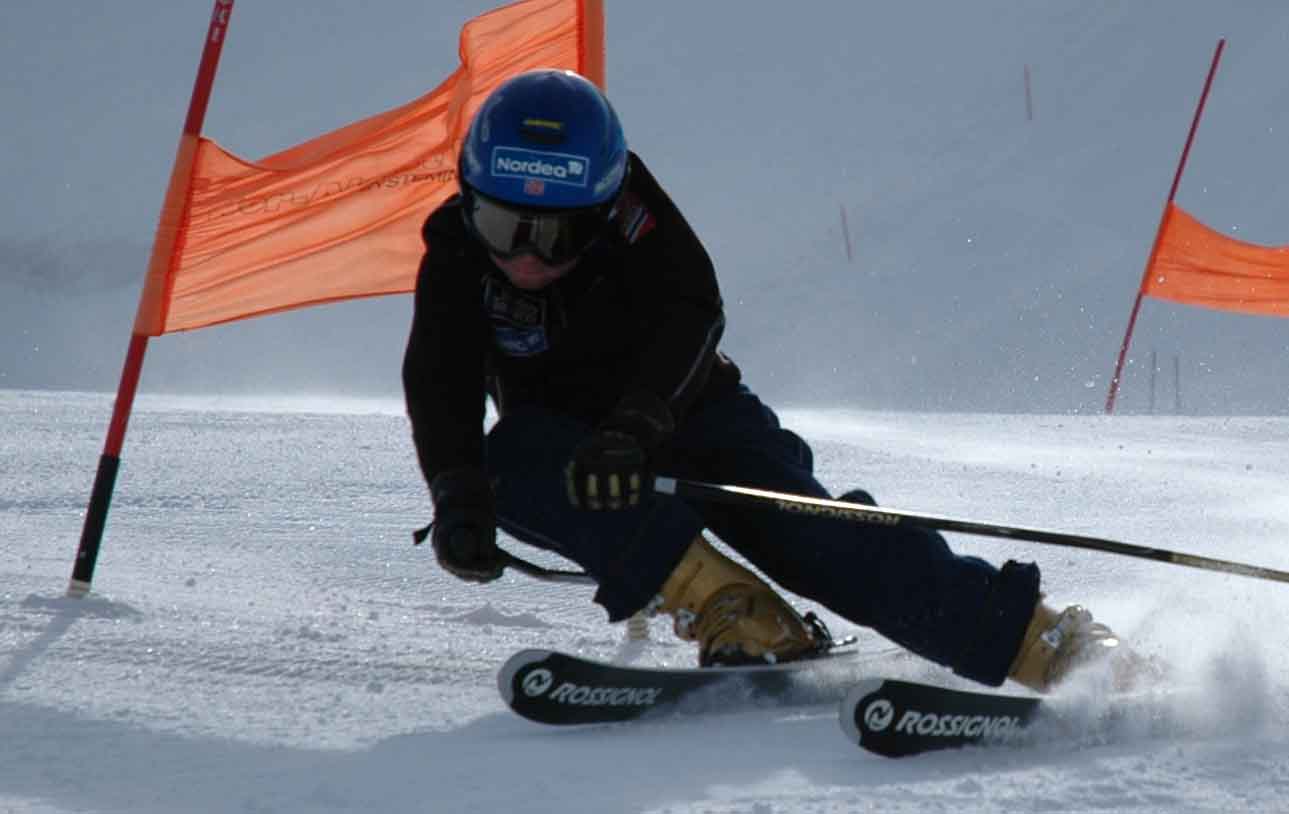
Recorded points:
843,648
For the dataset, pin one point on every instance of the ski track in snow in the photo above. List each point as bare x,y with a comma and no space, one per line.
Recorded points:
264,637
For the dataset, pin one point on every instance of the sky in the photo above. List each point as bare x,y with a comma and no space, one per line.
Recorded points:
996,247
263,637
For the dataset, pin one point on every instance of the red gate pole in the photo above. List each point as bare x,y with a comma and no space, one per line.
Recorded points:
164,250
1159,233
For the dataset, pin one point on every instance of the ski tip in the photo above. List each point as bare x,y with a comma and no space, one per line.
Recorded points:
514,664
849,708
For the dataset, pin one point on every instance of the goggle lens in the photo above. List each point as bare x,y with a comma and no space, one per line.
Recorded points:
555,237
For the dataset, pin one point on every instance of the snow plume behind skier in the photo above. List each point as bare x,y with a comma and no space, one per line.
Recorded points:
564,284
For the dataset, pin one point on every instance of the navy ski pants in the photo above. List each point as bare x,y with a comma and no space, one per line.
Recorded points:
903,582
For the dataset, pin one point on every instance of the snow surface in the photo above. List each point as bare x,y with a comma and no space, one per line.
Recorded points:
263,637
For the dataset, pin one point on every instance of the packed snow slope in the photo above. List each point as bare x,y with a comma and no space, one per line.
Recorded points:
263,637
997,246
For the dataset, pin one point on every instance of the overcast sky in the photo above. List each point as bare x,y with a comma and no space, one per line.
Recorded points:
995,256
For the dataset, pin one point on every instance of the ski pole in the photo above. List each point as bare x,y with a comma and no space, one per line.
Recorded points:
546,574
521,565
879,516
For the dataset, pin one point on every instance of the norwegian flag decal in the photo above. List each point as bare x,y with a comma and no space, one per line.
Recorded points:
637,222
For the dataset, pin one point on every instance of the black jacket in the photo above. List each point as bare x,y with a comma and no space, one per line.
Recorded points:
640,311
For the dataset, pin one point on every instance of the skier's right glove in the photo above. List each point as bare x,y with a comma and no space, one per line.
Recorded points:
611,468
464,532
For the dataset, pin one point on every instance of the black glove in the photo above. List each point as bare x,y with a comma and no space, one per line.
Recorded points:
610,469
464,531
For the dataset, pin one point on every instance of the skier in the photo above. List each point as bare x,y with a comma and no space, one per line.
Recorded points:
565,285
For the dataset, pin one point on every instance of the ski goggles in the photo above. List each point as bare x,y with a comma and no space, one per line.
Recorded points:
554,236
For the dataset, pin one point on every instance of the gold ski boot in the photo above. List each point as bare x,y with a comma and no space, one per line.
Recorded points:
735,617
1057,643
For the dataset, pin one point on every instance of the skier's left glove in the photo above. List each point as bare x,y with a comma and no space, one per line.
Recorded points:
610,469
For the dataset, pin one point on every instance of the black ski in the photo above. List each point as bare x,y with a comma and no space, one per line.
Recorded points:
899,718
551,687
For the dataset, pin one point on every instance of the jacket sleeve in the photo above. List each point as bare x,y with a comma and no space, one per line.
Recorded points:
443,366
671,278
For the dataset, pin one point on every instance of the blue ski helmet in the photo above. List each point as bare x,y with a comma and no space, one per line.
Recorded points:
545,139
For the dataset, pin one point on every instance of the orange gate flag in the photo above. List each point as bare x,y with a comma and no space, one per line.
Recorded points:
1196,265
339,217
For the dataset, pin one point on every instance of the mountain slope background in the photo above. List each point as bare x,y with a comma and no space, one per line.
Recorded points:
995,256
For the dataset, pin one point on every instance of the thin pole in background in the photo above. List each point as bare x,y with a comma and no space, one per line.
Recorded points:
1029,97
1159,233
845,232
164,246
1154,375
